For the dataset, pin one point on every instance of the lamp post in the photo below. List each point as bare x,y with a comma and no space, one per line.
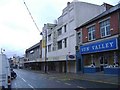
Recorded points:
44,43
2,50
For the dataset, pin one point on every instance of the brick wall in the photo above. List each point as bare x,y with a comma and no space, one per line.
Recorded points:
113,27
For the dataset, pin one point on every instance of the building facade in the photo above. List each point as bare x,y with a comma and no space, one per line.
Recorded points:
61,38
33,57
99,43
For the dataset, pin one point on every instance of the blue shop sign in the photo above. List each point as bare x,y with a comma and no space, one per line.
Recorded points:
106,45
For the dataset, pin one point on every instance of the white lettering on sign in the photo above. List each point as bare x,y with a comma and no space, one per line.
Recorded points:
107,45
111,44
85,49
98,46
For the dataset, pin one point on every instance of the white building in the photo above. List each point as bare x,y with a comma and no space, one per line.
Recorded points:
61,38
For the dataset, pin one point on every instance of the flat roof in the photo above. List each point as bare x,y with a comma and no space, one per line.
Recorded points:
34,46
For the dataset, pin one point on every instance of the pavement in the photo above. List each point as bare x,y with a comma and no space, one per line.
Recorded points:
94,77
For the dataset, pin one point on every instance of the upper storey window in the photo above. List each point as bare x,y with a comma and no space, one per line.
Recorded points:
91,33
49,37
105,28
59,31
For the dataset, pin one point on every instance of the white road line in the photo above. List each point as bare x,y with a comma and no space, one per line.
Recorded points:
27,83
16,86
24,80
80,87
67,84
31,86
58,81
100,81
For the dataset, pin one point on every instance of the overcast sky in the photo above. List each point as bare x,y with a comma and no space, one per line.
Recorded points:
17,30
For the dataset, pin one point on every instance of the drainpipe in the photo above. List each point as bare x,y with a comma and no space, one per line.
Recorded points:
119,27
119,19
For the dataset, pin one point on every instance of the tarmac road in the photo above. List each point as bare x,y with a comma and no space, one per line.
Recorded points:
35,80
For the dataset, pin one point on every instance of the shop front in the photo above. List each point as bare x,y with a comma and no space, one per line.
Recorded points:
102,56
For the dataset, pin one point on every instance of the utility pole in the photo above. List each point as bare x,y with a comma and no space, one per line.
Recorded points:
45,47
40,34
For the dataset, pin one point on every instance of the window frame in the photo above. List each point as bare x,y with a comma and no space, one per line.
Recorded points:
91,33
105,25
65,42
59,31
59,44
49,37
79,39
65,28
49,48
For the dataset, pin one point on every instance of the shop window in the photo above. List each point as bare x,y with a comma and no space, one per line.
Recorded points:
116,58
91,33
105,28
101,60
87,60
105,60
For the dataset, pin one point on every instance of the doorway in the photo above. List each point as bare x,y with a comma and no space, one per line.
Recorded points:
103,61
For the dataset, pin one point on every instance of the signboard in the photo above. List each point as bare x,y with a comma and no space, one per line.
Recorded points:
43,43
105,45
71,56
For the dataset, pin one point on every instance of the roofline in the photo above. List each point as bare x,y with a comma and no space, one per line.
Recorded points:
111,10
32,47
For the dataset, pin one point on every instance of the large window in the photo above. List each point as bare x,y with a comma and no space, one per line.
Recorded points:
91,33
65,28
49,37
60,44
79,37
105,28
59,31
49,48
65,42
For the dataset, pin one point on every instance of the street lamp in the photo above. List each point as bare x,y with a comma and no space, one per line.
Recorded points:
2,50
44,43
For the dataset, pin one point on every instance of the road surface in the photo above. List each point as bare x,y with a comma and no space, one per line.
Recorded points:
34,80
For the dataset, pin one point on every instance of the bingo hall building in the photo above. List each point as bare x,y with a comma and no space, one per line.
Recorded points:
99,43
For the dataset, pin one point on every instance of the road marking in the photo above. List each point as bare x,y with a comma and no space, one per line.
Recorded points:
103,82
67,84
100,81
58,81
24,80
30,86
45,78
80,87
19,76
16,86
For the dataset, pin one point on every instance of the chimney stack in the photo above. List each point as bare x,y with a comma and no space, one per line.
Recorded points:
68,3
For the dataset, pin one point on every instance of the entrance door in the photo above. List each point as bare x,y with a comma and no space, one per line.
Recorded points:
103,62
79,65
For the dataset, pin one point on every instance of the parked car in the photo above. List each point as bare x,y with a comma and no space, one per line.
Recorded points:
13,74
